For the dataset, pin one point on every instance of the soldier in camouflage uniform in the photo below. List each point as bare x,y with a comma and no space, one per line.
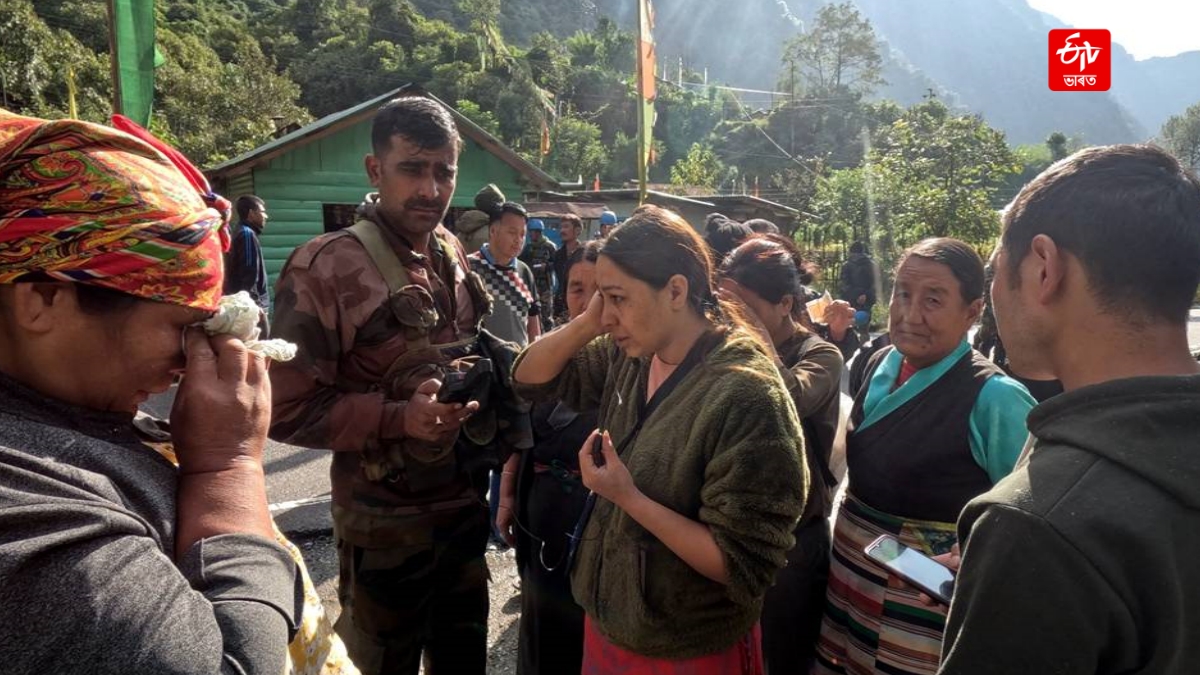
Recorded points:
539,255
409,515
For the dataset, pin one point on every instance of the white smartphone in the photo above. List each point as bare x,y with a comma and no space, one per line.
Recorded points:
933,578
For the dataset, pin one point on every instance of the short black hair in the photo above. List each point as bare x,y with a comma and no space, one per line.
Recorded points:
419,119
761,226
857,247
964,263
591,253
247,203
1130,214
724,236
712,221
497,213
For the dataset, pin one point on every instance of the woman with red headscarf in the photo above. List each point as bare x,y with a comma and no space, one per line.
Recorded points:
112,559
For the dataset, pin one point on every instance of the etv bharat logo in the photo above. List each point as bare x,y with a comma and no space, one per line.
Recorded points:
1080,60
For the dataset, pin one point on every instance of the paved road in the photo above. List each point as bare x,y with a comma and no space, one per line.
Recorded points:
297,480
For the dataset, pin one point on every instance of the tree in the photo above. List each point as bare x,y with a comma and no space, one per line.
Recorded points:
1057,143
486,120
930,173
548,62
699,169
395,21
950,167
1181,136
575,149
840,54
34,61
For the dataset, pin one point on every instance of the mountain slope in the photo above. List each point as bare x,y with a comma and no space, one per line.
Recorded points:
993,54
988,56
1155,89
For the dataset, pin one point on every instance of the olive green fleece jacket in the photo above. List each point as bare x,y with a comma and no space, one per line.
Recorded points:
724,448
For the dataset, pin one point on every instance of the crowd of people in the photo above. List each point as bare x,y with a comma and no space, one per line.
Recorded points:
654,419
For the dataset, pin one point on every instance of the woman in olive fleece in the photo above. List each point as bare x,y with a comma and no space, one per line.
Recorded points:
765,273
695,504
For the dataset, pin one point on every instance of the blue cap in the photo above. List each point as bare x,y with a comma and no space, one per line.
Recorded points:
861,317
536,224
608,218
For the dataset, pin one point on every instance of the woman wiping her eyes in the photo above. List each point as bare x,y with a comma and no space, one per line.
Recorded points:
127,548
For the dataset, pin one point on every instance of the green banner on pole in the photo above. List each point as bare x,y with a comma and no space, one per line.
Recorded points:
133,42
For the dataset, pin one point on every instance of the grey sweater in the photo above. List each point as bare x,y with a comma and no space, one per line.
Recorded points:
88,579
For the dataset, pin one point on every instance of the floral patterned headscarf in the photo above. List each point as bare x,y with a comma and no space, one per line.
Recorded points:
115,208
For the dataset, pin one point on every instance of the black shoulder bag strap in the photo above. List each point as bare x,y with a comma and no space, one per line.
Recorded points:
645,409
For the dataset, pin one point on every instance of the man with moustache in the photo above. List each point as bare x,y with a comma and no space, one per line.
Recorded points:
373,330
570,227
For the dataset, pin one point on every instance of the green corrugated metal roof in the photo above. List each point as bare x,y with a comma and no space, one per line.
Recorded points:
540,179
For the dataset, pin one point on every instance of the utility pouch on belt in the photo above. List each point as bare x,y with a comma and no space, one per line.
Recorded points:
420,464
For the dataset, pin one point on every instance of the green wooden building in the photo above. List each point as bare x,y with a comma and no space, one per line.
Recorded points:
313,178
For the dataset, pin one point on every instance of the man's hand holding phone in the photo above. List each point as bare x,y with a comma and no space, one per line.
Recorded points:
426,419
933,577
952,560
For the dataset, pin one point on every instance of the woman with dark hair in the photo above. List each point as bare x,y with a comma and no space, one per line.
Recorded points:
541,498
128,547
693,507
724,235
934,425
766,273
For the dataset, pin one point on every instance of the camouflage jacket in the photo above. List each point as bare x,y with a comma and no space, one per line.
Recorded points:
334,304
539,255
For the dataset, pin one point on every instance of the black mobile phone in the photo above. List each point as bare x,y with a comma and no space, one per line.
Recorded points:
459,387
933,578
598,449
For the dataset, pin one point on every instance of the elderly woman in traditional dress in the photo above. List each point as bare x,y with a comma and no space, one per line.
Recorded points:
934,425
113,559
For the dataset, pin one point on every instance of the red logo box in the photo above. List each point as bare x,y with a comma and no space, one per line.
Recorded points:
1080,59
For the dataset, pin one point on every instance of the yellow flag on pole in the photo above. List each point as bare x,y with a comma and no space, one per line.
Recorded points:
72,108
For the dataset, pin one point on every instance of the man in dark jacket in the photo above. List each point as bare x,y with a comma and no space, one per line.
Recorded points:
860,286
1084,560
245,269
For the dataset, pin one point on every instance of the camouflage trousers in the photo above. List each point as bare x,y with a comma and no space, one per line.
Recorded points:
546,305
425,591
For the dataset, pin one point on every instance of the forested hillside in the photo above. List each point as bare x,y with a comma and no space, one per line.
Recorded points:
874,128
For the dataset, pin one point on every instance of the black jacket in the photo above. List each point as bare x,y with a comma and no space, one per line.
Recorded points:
860,276
245,269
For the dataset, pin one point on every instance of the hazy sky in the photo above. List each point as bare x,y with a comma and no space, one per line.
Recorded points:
1145,28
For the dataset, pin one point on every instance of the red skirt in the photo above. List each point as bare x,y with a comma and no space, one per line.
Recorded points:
601,657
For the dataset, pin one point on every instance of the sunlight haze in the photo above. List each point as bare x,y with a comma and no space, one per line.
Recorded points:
1145,29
